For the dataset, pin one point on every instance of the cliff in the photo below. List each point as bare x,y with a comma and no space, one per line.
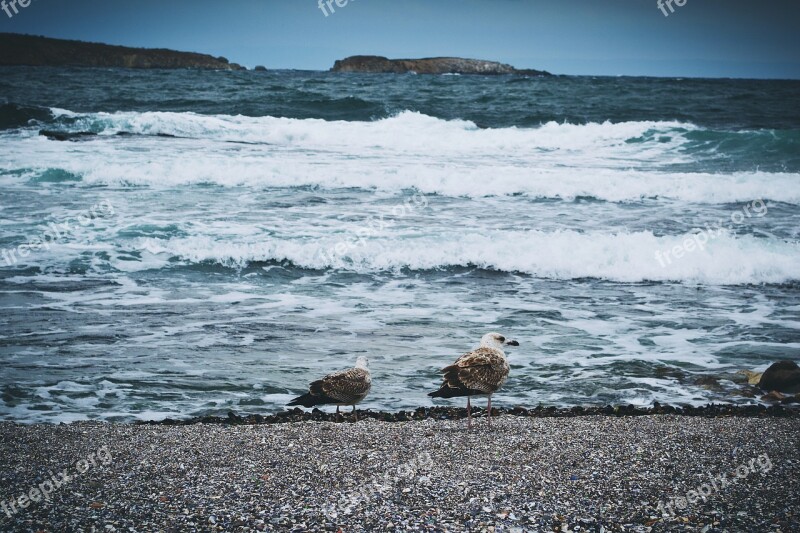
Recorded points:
17,49
432,65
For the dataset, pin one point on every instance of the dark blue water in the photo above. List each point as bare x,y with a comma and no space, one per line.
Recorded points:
177,243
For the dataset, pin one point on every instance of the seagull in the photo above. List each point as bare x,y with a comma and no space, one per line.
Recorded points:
346,387
480,372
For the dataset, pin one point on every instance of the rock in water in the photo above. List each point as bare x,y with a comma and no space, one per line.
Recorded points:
752,377
708,382
782,376
431,65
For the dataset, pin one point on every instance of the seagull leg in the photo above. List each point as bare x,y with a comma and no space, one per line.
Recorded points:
337,413
355,413
489,409
469,414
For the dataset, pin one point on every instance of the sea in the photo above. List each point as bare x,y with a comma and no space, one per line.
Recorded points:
178,243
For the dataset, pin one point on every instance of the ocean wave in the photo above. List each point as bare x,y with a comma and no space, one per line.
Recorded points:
186,168
410,130
724,259
407,130
616,162
20,116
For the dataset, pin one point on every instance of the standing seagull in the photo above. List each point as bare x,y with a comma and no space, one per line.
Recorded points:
346,387
480,372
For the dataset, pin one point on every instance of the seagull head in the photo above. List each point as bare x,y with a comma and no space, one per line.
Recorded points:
362,362
495,340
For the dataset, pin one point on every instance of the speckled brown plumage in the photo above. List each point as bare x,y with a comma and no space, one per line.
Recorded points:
347,387
481,371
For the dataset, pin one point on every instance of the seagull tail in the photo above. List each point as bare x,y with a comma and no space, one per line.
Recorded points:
444,392
306,400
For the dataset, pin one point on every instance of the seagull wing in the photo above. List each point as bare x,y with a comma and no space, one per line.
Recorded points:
346,387
483,370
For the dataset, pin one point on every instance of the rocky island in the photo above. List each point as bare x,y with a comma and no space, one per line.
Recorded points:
30,50
430,65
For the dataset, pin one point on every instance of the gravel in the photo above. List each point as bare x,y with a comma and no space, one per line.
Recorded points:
584,473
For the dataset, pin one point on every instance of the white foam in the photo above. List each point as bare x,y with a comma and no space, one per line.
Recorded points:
404,132
410,150
626,257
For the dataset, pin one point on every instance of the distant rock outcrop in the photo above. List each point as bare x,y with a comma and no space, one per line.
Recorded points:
431,65
30,50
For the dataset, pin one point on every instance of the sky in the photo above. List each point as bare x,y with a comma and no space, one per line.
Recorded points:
701,38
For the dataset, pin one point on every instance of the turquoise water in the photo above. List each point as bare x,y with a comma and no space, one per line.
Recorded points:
212,241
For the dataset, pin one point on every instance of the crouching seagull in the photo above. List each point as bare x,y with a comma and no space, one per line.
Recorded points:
480,372
346,387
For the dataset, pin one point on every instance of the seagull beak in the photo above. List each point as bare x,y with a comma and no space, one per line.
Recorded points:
512,343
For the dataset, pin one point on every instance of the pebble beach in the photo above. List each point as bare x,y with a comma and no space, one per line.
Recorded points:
535,267
583,473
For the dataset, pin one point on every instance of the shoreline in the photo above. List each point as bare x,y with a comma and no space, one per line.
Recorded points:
445,413
582,473
460,413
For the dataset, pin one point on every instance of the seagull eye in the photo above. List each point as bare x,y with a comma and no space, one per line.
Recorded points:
501,338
